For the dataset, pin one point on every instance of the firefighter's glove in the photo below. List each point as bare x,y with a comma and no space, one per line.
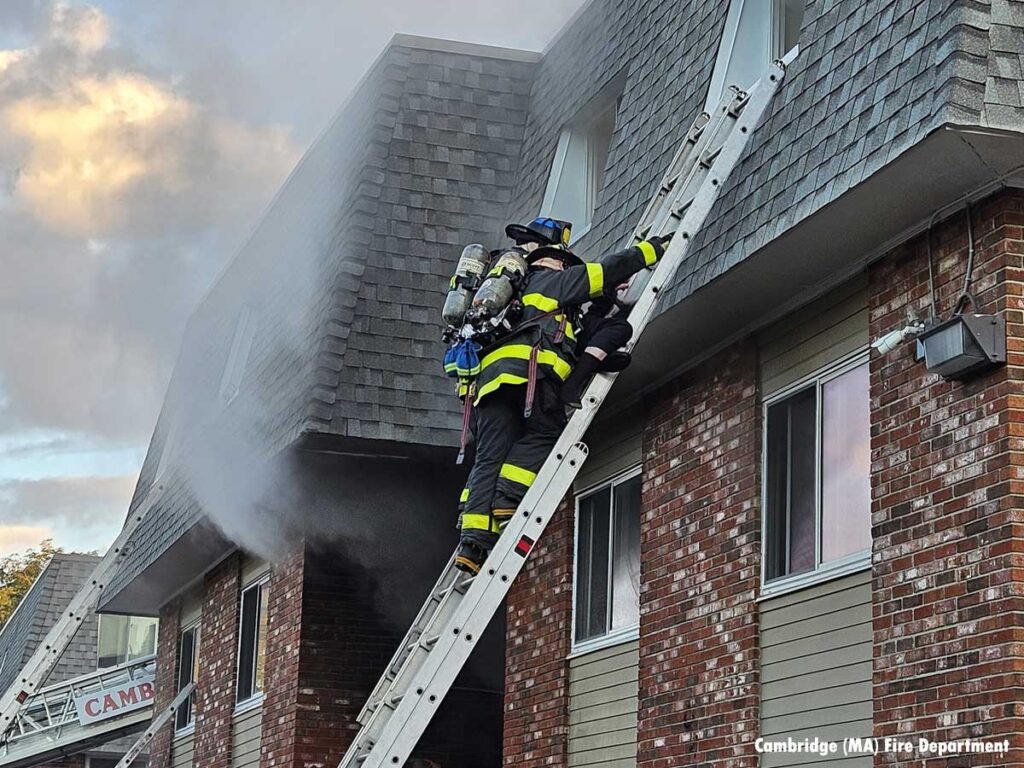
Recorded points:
653,248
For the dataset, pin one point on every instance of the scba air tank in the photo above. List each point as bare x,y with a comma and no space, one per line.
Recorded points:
502,283
470,270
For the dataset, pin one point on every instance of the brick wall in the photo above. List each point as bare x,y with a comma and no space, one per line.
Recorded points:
700,568
165,685
218,643
947,465
539,637
284,619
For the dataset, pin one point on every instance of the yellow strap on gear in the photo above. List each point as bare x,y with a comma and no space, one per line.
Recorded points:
464,496
650,255
518,474
522,352
595,273
540,301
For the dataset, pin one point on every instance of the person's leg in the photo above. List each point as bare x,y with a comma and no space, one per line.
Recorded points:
599,353
526,457
499,423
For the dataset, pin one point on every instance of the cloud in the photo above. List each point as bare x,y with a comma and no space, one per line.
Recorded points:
85,512
18,538
120,198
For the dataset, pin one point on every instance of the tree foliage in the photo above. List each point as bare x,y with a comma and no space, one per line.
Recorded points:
18,572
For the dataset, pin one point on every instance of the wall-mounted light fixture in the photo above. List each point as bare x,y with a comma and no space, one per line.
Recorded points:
965,345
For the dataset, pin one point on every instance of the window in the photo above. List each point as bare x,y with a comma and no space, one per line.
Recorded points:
607,584
578,168
125,638
818,474
188,672
252,641
238,355
756,32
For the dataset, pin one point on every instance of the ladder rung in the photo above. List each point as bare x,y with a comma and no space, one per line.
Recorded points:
426,645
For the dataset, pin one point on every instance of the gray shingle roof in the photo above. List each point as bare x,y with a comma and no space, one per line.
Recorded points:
39,609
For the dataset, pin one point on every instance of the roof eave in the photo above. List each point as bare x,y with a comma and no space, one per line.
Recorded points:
952,165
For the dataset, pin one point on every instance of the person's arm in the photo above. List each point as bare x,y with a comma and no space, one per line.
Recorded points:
579,284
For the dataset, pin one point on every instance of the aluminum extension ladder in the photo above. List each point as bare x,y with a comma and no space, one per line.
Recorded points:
33,675
460,606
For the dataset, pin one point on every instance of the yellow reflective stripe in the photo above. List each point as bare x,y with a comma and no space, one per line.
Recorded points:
497,381
518,474
595,273
475,522
540,301
522,352
650,255
464,496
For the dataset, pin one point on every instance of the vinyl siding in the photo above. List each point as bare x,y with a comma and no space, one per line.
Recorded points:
603,707
615,446
182,749
253,568
245,738
816,667
824,331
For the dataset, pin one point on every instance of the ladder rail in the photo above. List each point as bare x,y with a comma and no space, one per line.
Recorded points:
157,723
388,739
49,651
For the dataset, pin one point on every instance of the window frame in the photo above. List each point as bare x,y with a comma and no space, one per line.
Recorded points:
622,634
723,57
237,361
609,99
190,726
822,572
254,699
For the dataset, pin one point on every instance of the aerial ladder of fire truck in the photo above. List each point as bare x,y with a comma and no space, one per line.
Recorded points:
460,606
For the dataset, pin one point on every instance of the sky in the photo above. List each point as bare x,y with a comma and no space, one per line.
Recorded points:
139,142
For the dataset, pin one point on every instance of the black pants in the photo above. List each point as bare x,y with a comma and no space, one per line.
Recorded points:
510,450
605,333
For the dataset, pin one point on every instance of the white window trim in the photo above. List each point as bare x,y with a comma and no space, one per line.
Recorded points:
615,636
248,703
254,701
557,166
822,572
717,86
238,355
190,726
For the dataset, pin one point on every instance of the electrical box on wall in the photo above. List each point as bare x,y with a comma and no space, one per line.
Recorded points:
965,345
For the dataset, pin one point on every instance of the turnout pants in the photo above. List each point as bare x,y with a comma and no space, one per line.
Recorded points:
510,450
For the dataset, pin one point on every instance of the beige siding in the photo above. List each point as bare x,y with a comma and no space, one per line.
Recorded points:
245,738
826,330
191,607
816,667
603,706
181,751
615,446
253,568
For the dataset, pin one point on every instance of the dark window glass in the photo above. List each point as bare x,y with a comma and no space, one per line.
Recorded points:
790,478
592,576
626,555
252,641
608,560
188,671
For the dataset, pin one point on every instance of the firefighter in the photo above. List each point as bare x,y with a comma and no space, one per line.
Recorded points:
518,410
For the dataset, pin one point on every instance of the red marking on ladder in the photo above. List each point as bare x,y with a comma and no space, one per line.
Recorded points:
524,546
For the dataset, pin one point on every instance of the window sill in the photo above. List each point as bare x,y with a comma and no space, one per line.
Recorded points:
184,733
858,561
618,637
253,702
